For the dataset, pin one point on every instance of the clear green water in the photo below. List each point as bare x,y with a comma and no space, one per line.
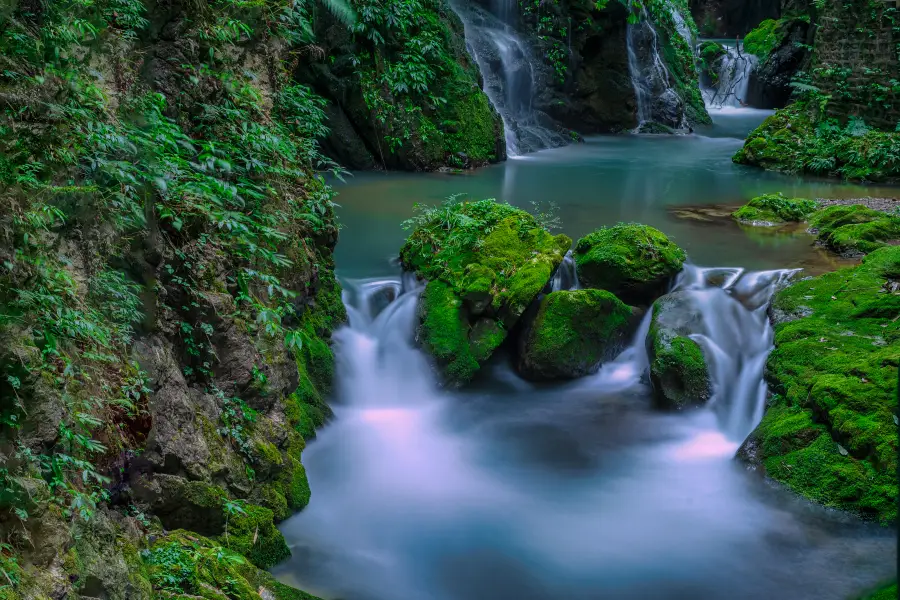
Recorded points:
601,182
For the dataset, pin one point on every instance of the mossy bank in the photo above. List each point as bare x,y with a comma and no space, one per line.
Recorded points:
167,297
830,429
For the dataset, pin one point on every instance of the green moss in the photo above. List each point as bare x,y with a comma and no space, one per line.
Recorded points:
829,433
444,333
886,592
573,332
294,483
775,208
855,229
710,52
634,262
272,497
763,40
485,261
182,564
679,371
265,452
253,534
801,139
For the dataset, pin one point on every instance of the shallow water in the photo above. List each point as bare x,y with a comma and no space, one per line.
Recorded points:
511,491
601,182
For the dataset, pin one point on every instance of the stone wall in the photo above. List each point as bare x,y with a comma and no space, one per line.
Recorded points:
855,58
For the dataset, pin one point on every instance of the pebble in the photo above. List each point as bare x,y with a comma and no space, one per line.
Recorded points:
882,204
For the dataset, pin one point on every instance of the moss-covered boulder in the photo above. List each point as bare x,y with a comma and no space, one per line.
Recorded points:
830,430
678,369
774,209
207,509
182,564
573,333
855,230
634,262
485,262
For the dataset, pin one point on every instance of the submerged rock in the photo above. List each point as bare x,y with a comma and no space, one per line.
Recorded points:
485,262
574,332
773,209
830,431
634,262
678,369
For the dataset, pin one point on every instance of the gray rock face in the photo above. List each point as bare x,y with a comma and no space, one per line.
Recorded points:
770,81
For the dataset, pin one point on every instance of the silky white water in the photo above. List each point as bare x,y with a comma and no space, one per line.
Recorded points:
512,491
734,70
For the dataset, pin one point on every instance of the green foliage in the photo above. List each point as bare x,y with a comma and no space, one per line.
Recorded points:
801,139
775,208
419,86
764,39
830,433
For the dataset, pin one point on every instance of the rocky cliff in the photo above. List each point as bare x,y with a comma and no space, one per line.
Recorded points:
167,295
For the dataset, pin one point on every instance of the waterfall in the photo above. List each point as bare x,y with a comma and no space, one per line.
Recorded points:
736,338
656,99
508,70
733,71
566,276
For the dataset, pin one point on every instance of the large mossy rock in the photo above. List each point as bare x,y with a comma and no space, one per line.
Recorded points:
830,430
678,369
185,565
774,209
855,230
634,262
485,262
573,333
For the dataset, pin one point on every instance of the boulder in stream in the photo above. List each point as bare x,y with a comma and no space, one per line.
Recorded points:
774,209
574,332
485,262
634,262
855,230
678,369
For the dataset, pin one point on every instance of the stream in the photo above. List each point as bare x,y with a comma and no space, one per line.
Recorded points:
513,491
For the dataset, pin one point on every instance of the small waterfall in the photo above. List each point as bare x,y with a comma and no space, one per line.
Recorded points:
509,75
566,276
736,340
733,70
656,99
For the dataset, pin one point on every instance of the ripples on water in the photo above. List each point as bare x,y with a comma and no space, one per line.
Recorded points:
513,491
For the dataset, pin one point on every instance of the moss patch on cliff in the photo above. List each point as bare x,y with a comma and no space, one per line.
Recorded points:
485,261
184,565
421,88
771,209
573,332
635,262
802,139
830,431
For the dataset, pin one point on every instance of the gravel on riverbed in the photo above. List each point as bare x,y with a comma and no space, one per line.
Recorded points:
882,204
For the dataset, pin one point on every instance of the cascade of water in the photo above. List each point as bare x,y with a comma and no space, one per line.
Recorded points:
654,93
566,276
509,75
736,338
733,79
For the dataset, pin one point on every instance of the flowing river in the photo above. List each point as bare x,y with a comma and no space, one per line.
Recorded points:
513,491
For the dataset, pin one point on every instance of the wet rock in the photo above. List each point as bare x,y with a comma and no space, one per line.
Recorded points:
489,272
770,82
574,332
678,368
633,262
